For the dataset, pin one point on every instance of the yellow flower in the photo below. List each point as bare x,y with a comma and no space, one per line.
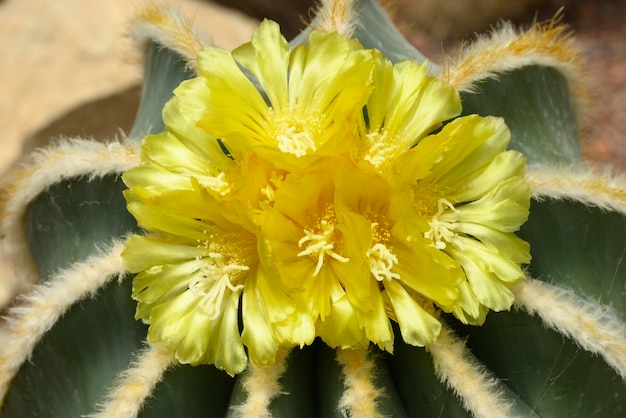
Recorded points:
343,242
290,106
200,260
201,256
191,272
405,106
327,207
473,194
161,167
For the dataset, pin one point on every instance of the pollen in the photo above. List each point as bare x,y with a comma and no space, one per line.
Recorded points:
427,199
320,241
294,133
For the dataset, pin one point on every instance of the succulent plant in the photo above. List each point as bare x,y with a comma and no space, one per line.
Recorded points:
327,227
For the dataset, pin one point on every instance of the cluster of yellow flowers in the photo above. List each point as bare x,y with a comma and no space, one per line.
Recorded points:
318,188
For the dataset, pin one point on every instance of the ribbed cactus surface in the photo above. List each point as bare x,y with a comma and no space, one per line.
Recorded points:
87,214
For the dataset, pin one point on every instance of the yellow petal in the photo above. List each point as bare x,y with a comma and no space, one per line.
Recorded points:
427,271
179,324
153,219
181,122
229,352
375,321
504,243
166,151
235,110
505,208
163,282
278,303
141,253
267,59
480,182
417,326
406,104
296,330
333,77
487,287
151,178
467,308
491,261
468,143
341,328
257,334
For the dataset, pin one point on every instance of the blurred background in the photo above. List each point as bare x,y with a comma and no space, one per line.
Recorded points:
69,68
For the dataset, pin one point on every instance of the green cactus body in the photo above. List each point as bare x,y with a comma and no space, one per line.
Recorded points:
560,352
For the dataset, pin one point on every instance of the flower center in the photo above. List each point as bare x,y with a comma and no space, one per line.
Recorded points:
426,199
221,270
380,148
442,224
295,133
218,183
320,241
380,257
275,180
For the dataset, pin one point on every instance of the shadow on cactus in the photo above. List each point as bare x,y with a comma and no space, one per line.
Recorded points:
327,227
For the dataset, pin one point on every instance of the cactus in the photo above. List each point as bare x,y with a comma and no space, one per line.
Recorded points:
188,225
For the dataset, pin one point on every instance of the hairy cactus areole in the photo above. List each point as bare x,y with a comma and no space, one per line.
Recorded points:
327,227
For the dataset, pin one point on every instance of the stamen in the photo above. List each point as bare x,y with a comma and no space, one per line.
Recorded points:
295,133
320,245
380,257
276,180
380,149
295,142
218,275
442,224
218,183
382,261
